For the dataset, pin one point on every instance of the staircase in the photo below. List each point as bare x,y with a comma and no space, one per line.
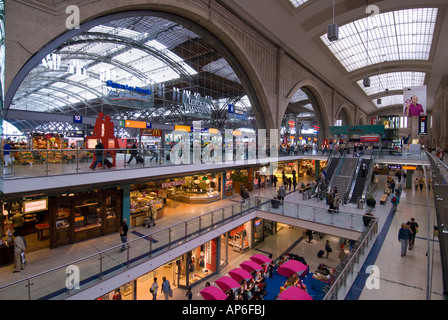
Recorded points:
360,182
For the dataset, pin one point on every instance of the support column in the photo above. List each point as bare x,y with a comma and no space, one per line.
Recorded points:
127,202
316,168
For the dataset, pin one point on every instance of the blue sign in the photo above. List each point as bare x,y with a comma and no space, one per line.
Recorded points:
114,85
231,108
77,119
148,125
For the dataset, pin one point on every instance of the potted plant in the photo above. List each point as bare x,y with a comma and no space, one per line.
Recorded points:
371,202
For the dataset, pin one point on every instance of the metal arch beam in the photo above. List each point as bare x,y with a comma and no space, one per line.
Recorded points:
56,98
35,91
81,99
70,82
98,59
133,45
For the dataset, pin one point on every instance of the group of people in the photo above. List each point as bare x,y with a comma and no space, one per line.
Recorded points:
406,235
334,200
419,182
252,289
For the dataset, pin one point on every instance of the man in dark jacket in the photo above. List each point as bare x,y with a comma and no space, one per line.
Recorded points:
124,234
133,153
99,149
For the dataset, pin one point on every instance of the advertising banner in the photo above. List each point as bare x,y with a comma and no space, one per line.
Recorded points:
414,101
422,125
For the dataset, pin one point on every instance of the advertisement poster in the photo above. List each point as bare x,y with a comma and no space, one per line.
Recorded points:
414,101
422,125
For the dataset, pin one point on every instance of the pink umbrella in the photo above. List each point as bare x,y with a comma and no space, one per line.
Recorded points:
260,259
227,283
250,266
294,293
213,293
240,274
290,267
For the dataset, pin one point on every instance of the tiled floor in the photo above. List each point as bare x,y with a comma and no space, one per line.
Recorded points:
400,277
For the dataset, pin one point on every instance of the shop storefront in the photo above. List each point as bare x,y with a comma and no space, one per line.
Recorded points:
193,267
82,216
195,189
242,177
198,189
52,222
263,229
145,197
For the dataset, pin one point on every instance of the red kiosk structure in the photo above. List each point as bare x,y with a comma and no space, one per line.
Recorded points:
103,130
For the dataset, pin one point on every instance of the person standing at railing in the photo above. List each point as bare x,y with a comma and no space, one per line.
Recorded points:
124,234
281,193
7,153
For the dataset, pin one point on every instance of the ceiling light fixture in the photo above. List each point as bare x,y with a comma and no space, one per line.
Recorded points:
333,30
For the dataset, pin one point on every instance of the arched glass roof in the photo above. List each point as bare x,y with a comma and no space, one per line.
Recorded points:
392,81
389,36
140,68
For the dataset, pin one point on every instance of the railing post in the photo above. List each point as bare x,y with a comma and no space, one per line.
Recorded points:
297,215
169,238
186,231
101,266
200,224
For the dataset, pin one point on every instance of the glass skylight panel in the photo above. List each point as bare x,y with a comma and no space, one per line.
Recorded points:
390,36
297,3
392,81
389,101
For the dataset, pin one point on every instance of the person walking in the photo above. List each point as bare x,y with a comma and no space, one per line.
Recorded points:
413,225
274,180
154,288
134,153
166,288
416,183
395,200
404,236
328,248
421,183
19,248
281,194
189,294
99,150
124,234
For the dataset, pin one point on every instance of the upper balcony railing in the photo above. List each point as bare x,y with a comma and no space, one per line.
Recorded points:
38,163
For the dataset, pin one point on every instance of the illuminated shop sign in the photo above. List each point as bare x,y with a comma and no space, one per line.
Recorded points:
35,205
173,183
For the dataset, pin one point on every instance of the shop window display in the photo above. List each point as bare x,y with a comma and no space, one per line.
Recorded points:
78,217
143,197
196,189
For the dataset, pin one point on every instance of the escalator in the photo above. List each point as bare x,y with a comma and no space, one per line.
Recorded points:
360,181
